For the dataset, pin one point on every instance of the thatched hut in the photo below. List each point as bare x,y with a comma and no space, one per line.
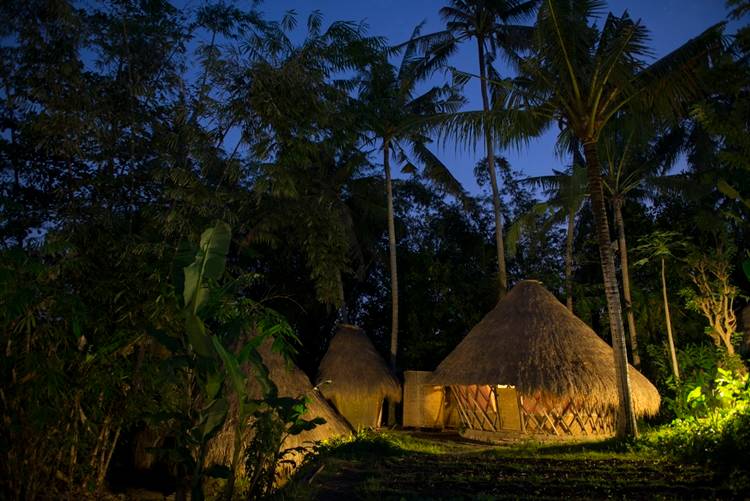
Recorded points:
290,382
355,379
531,366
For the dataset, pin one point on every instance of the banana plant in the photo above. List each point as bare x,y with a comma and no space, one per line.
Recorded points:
204,361
199,289
213,318
199,277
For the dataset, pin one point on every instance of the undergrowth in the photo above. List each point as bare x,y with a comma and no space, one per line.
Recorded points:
718,431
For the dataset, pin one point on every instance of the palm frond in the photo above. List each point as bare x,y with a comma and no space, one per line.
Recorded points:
516,11
441,45
739,8
673,81
514,38
621,48
522,224
438,173
411,57
511,127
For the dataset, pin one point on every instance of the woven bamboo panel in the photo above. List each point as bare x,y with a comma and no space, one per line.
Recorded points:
488,409
565,417
424,404
452,417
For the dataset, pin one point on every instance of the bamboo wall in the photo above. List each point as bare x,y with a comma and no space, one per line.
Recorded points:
500,409
425,405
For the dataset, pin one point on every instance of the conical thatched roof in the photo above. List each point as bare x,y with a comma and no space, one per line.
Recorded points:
533,342
355,369
291,382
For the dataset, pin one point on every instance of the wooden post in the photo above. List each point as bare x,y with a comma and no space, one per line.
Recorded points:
521,411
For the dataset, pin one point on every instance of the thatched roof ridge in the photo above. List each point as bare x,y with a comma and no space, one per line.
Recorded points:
533,342
355,369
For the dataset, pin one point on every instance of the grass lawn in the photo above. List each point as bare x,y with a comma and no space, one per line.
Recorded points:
411,465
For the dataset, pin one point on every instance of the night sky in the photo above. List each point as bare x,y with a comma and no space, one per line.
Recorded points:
670,22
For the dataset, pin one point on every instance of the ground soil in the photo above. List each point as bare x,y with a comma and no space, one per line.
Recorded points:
447,467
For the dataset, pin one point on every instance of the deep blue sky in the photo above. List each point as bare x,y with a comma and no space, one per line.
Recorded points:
671,23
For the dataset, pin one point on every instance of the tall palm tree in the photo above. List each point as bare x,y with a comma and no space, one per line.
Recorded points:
636,157
582,76
493,24
394,111
662,245
565,192
619,181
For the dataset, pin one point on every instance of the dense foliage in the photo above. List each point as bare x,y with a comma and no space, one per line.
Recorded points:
714,430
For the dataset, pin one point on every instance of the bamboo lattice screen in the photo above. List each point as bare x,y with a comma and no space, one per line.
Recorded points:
498,408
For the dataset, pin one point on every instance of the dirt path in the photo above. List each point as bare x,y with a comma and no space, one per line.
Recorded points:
437,469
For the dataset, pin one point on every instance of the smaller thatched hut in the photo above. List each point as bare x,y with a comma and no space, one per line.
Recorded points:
531,366
291,382
355,379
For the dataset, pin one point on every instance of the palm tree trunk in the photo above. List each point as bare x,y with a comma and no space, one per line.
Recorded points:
490,149
620,222
569,259
668,318
394,272
626,423
343,310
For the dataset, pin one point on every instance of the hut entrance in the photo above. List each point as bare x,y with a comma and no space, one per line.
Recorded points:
489,408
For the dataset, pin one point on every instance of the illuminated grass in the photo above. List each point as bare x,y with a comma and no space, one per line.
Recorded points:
401,465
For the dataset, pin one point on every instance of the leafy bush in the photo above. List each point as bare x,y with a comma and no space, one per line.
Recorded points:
74,371
277,419
700,367
718,432
364,442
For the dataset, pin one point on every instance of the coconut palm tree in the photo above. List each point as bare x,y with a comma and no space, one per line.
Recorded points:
394,112
620,179
582,76
662,245
493,25
636,157
565,192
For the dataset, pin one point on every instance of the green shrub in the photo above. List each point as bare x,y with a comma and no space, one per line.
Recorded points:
365,442
718,432
700,370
